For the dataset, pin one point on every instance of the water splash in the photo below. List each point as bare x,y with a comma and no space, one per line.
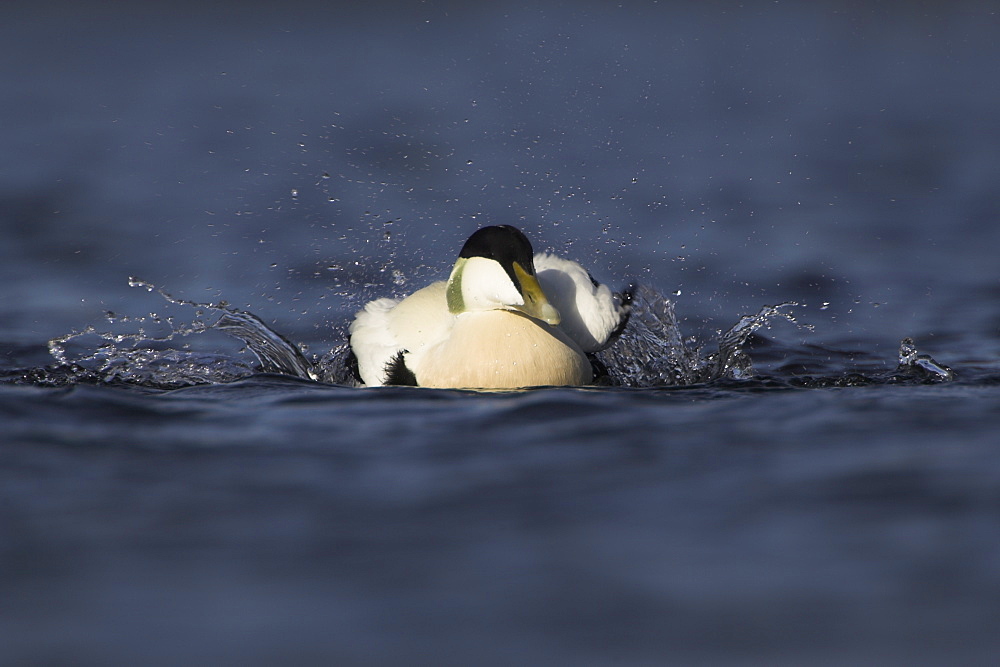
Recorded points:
274,352
338,366
139,355
922,367
653,352
144,353
732,360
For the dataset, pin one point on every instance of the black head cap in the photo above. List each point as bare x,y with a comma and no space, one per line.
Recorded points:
503,243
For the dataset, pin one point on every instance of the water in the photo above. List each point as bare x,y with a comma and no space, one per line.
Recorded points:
794,460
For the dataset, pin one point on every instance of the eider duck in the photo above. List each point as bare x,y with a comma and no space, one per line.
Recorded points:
504,319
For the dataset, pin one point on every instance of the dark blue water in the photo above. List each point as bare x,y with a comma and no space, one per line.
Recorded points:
164,502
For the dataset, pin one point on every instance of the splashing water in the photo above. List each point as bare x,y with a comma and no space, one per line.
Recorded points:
731,360
274,352
916,366
142,356
277,354
651,352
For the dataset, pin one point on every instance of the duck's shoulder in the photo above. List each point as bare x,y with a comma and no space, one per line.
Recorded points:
430,301
373,319
421,317
386,327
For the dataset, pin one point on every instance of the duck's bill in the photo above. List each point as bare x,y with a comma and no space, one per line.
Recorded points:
536,304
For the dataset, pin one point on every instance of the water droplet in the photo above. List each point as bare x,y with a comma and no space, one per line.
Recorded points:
135,282
907,352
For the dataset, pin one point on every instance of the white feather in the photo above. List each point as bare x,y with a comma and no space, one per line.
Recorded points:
590,313
372,340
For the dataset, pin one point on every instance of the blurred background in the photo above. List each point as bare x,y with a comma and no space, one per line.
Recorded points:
296,158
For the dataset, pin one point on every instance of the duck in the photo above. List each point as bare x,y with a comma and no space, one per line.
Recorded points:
506,318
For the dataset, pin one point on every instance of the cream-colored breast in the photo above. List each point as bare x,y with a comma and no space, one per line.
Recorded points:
500,349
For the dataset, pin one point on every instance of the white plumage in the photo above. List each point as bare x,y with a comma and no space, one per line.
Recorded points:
591,314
